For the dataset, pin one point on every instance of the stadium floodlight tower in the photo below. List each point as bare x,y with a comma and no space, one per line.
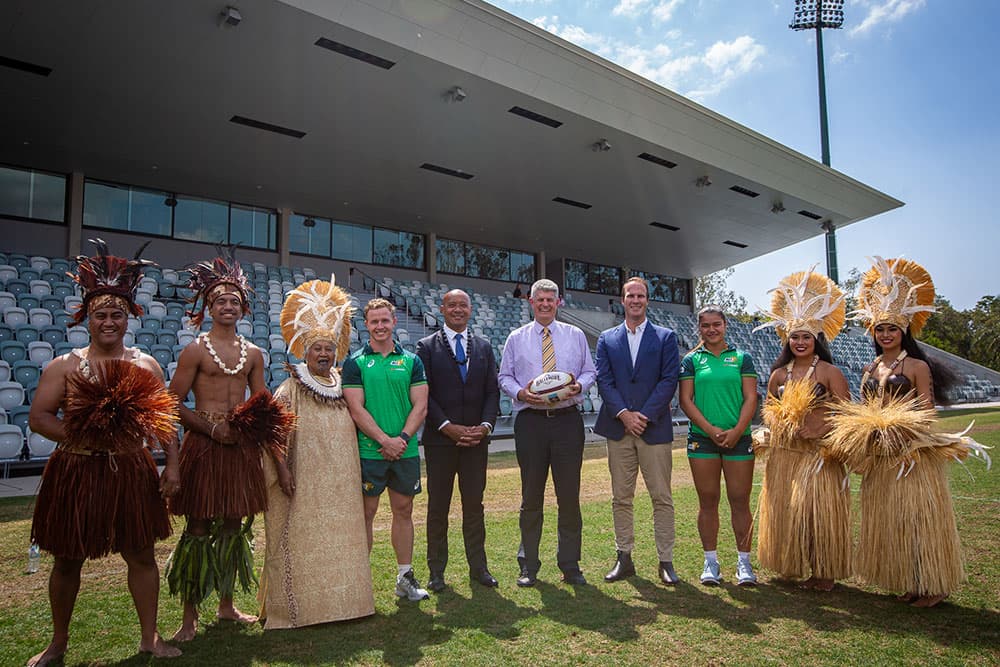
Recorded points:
816,15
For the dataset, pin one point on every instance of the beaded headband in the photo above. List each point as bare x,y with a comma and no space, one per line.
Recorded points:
108,281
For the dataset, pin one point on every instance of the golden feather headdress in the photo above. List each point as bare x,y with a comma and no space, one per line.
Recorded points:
317,310
895,291
806,301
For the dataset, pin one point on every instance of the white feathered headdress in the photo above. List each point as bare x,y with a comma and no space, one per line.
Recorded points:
895,291
317,310
806,301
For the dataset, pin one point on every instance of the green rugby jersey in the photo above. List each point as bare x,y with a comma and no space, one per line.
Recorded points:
386,381
718,384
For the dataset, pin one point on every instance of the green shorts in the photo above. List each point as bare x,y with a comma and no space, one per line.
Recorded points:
702,447
402,476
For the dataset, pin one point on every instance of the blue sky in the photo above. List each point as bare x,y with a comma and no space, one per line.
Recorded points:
912,89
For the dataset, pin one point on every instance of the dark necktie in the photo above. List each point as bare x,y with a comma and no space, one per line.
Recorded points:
463,361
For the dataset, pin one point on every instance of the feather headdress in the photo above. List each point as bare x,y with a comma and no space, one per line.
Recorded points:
317,310
895,291
806,301
213,278
106,280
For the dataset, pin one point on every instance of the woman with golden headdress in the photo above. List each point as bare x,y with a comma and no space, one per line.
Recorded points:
908,541
805,527
316,567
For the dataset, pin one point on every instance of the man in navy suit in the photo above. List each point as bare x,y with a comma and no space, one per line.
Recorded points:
461,411
637,369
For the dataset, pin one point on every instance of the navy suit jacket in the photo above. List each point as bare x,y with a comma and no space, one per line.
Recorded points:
468,403
648,387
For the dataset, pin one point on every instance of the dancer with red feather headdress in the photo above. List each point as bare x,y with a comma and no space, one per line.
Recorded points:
220,460
100,493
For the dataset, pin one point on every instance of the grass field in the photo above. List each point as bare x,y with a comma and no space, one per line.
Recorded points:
635,622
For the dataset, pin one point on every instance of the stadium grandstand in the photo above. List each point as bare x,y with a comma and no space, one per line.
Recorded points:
406,146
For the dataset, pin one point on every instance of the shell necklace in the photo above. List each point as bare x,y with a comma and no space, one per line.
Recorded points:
812,369
211,350
885,378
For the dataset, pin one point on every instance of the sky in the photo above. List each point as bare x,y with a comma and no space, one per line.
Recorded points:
913,93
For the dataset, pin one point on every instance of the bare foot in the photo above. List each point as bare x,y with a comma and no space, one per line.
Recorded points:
159,648
928,601
908,597
808,584
186,632
51,654
234,614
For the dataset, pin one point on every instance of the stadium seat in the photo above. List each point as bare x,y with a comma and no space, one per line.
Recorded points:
11,395
278,357
26,373
157,310
171,323
52,303
62,348
11,443
14,317
128,339
7,273
52,277
39,447
185,337
39,317
61,265
62,319
77,336
13,351
7,300
163,354
175,310
39,288
166,337
260,329
28,302
18,261
276,342
146,337
63,289
72,303
18,416
29,275
166,290
170,275
4,371
39,263
40,352
18,287
26,333
278,373
6,333
151,322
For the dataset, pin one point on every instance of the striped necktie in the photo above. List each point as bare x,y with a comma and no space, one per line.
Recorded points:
548,351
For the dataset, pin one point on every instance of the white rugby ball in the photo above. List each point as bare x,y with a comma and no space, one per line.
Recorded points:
554,385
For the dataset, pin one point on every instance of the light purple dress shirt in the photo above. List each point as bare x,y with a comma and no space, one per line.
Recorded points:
522,360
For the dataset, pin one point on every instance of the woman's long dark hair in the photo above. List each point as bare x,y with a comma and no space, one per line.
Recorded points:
942,376
821,349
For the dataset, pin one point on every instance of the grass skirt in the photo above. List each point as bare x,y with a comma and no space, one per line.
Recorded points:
805,514
219,481
909,541
90,506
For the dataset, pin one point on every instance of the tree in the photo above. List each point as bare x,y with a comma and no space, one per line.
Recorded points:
948,329
984,325
849,286
713,289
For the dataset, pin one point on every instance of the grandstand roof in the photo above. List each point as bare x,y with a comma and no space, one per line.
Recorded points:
144,93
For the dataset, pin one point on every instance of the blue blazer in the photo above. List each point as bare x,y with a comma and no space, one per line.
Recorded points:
647,388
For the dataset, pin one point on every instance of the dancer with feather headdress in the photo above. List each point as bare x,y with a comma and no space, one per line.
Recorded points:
909,541
226,435
100,491
805,527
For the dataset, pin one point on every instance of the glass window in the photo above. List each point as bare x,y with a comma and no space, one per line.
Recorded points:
450,256
604,279
129,209
487,262
148,213
252,227
522,267
411,250
309,240
576,275
352,242
386,248
31,194
395,248
201,220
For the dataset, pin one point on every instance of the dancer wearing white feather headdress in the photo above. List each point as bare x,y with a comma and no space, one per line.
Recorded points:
805,527
316,566
908,540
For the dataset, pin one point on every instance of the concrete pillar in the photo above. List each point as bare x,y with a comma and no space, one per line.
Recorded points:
284,220
430,251
74,218
539,265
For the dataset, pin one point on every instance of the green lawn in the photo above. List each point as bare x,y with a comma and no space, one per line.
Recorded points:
635,622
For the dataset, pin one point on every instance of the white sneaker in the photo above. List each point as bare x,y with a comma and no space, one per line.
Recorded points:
710,575
744,573
408,587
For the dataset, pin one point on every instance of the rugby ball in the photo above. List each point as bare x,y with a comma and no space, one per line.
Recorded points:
555,385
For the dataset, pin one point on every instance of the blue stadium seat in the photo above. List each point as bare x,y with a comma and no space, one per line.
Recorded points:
175,310
171,323
7,272
146,337
39,288
39,317
27,274
19,417
6,333
18,261
53,335
4,372
26,372
29,302
167,337
278,373
60,349
163,354
278,357
151,322
27,333
176,350
52,303
61,265
63,319
40,352
166,290
261,330
52,276
62,290
17,287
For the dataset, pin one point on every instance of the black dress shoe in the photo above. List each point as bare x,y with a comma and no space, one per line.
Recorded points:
624,567
436,582
526,580
574,578
667,573
483,576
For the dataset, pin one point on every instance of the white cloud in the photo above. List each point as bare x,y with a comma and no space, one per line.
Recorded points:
664,10
671,65
630,7
839,56
660,10
889,11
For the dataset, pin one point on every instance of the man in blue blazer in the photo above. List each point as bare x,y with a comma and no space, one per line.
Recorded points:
637,369
461,412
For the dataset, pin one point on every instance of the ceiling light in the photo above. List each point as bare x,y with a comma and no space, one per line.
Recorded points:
308,222
170,201
777,207
231,16
601,145
455,94
703,181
